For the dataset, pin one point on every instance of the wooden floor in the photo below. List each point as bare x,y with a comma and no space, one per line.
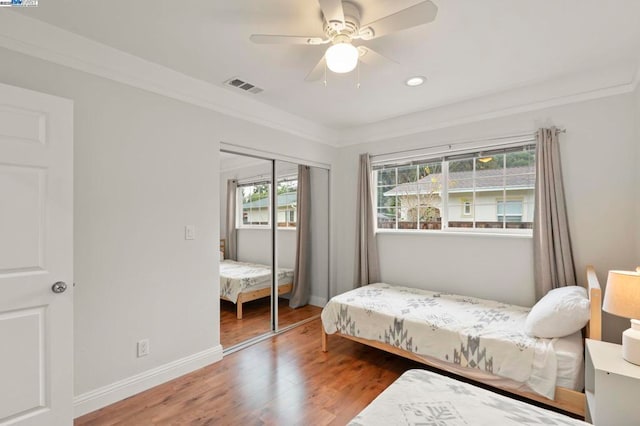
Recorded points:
282,380
256,319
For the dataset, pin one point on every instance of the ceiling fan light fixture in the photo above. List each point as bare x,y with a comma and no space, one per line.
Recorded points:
342,57
415,81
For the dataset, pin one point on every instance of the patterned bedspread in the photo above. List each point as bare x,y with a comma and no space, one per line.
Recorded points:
466,331
421,397
240,277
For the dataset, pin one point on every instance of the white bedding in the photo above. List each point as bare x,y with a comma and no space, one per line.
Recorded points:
465,331
240,277
570,356
421,397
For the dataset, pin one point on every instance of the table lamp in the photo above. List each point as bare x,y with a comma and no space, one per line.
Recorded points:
622,298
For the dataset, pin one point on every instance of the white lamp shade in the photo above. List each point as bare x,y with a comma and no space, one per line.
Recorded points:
342,57
622,295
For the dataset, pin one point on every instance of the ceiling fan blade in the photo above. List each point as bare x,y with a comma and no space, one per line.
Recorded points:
418,14
333,13
371,57
285,39
317,72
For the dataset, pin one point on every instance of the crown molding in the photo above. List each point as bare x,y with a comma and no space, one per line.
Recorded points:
35,38
39,39
613,80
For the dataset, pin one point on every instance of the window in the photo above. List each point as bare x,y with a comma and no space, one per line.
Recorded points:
466,207
255,199
509,211
287,200
490,190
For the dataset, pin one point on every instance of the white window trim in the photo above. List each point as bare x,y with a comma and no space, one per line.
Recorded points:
239,210
286,228
445,229
516,233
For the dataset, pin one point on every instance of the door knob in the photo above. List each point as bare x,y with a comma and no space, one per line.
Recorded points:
59,287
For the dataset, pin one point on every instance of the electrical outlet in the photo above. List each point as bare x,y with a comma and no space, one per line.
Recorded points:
143,347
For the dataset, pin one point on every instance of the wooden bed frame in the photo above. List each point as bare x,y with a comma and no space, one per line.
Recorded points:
254,294
565,399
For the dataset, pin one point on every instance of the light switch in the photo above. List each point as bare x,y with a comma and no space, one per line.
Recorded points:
189,232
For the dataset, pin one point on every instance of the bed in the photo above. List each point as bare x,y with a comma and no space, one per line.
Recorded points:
479,339
242,282
423,397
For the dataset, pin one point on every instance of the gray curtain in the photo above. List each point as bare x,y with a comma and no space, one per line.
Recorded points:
367,266
302,271
231,246
552,254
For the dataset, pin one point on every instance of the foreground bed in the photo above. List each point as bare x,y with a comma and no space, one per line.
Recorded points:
423,397
242,282
479,339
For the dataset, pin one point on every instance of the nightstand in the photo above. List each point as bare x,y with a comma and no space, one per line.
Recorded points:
612,386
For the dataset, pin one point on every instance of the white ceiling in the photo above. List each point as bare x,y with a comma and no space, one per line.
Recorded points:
473,48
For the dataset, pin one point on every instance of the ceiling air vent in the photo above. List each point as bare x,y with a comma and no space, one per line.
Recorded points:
243,85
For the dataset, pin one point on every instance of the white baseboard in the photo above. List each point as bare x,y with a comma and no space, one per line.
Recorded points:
318,301
101,397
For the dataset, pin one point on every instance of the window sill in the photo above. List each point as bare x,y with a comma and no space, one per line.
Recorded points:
266,228
526,235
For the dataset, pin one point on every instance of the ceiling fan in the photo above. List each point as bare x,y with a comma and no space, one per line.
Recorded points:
341,26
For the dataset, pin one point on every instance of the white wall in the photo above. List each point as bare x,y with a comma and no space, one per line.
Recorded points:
145,166
598,155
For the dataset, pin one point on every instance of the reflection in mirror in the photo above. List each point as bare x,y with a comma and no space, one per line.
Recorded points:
302,240
245,245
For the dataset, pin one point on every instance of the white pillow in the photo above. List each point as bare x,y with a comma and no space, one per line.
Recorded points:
561,312
221,255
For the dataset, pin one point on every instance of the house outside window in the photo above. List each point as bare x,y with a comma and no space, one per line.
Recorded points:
255,199
491,191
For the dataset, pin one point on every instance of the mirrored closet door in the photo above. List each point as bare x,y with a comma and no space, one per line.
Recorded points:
271,207
246,241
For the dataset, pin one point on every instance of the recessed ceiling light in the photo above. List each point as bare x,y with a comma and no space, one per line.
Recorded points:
415,81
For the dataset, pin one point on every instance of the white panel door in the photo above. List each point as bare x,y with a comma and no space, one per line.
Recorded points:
36,251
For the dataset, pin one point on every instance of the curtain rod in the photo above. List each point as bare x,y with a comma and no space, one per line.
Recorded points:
254,179
469,141
266,177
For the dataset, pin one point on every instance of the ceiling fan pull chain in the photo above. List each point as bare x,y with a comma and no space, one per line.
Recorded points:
358,75
325,73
